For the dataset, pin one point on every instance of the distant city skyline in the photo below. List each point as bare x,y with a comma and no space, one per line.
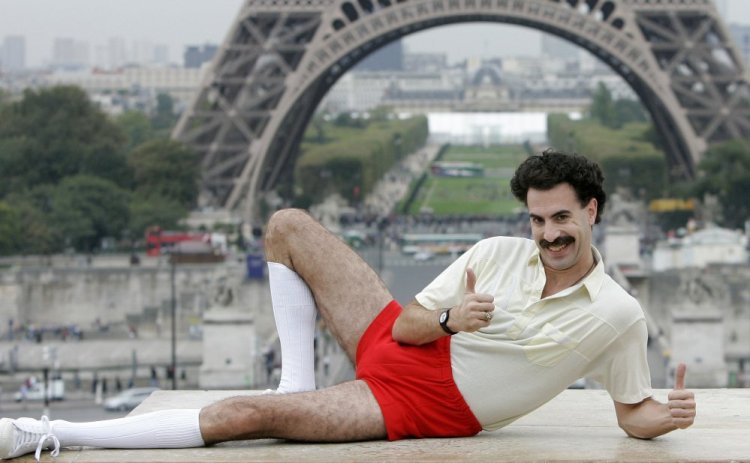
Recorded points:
175,24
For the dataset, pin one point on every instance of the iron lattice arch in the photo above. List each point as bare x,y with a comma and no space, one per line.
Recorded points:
281,57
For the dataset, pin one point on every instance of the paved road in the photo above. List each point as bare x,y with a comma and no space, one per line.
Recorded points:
71,410
403,275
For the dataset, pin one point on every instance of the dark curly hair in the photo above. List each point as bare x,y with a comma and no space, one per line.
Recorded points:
545,171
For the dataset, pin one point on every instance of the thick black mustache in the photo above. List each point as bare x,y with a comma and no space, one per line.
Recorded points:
561,241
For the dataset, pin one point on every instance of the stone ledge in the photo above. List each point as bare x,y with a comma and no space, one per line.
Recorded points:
578,425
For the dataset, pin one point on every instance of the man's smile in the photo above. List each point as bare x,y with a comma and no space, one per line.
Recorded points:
558,245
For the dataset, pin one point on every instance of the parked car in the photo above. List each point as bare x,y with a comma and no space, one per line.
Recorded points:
35,391
423,255
128,399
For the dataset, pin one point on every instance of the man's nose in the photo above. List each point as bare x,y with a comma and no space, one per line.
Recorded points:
551,232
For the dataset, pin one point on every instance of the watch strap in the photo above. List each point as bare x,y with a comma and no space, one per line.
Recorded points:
444,322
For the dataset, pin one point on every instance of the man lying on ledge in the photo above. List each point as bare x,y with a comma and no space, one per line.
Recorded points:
506,327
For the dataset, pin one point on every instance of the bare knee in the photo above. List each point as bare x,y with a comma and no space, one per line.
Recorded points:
229,419
281,228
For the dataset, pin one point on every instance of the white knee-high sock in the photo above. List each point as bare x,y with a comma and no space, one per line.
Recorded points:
165,429
294,311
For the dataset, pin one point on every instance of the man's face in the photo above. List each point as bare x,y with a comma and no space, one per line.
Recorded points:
561,227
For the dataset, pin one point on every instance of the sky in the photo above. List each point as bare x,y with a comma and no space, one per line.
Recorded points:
177,23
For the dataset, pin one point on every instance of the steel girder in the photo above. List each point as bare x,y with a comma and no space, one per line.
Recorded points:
280,57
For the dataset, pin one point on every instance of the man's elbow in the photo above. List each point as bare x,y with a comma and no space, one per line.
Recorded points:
397,333
400,333
634,431
642,431
404,336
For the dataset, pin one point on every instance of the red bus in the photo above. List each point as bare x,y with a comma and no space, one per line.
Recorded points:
159,241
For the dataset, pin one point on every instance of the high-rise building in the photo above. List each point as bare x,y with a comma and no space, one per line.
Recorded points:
388,58
13,55
117,53
161,54
196,55
69,53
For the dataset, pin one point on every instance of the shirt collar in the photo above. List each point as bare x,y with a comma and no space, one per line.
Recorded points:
593,281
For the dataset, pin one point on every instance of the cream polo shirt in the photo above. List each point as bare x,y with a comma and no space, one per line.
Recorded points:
535,348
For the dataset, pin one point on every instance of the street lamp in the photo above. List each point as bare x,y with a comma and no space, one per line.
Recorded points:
49,359
172,268
382,225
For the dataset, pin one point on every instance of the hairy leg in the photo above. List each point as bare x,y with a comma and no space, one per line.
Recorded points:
343,413
347,292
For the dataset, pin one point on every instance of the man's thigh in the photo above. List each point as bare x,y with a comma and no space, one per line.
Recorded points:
348,292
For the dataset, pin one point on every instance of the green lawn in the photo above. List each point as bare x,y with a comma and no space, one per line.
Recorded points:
480,195
495,157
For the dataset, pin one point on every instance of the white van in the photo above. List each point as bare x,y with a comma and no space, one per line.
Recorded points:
55,391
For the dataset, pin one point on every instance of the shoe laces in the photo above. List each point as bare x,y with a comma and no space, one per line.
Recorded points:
26,437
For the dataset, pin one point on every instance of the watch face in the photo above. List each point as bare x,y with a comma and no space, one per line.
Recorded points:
443,317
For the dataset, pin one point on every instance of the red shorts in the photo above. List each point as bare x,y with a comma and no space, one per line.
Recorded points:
413,384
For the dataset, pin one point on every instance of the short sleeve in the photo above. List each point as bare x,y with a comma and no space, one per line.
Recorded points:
623,367
447,288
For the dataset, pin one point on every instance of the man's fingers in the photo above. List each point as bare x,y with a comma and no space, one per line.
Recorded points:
682,412
683,423
483,299
471,281
688,403
679,382
680,395
681,402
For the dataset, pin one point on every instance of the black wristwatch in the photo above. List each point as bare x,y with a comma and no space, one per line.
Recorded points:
444,322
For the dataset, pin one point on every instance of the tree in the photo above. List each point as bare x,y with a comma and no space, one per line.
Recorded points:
318,123
137,128
164,118
651,135
628,111
166,168
736,203
54,133
85,209
10,230
602,108
33,207
645,176
615,113
154,210
726,174
4,98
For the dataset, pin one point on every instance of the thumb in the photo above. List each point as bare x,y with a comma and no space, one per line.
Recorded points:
679,377
471,281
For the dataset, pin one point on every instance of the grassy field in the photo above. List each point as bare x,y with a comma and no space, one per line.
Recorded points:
488,195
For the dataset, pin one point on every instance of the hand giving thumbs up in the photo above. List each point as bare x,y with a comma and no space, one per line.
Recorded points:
681,402
475,311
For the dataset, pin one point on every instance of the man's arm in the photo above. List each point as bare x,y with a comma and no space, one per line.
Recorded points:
650,418
418,325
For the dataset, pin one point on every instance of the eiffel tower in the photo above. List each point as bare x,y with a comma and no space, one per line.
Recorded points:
281,57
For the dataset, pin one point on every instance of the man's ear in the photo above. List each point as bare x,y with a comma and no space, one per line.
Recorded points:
591,209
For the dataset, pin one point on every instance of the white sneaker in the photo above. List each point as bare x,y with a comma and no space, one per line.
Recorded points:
26,435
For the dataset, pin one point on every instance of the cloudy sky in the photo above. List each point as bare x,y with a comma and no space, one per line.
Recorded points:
179,22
